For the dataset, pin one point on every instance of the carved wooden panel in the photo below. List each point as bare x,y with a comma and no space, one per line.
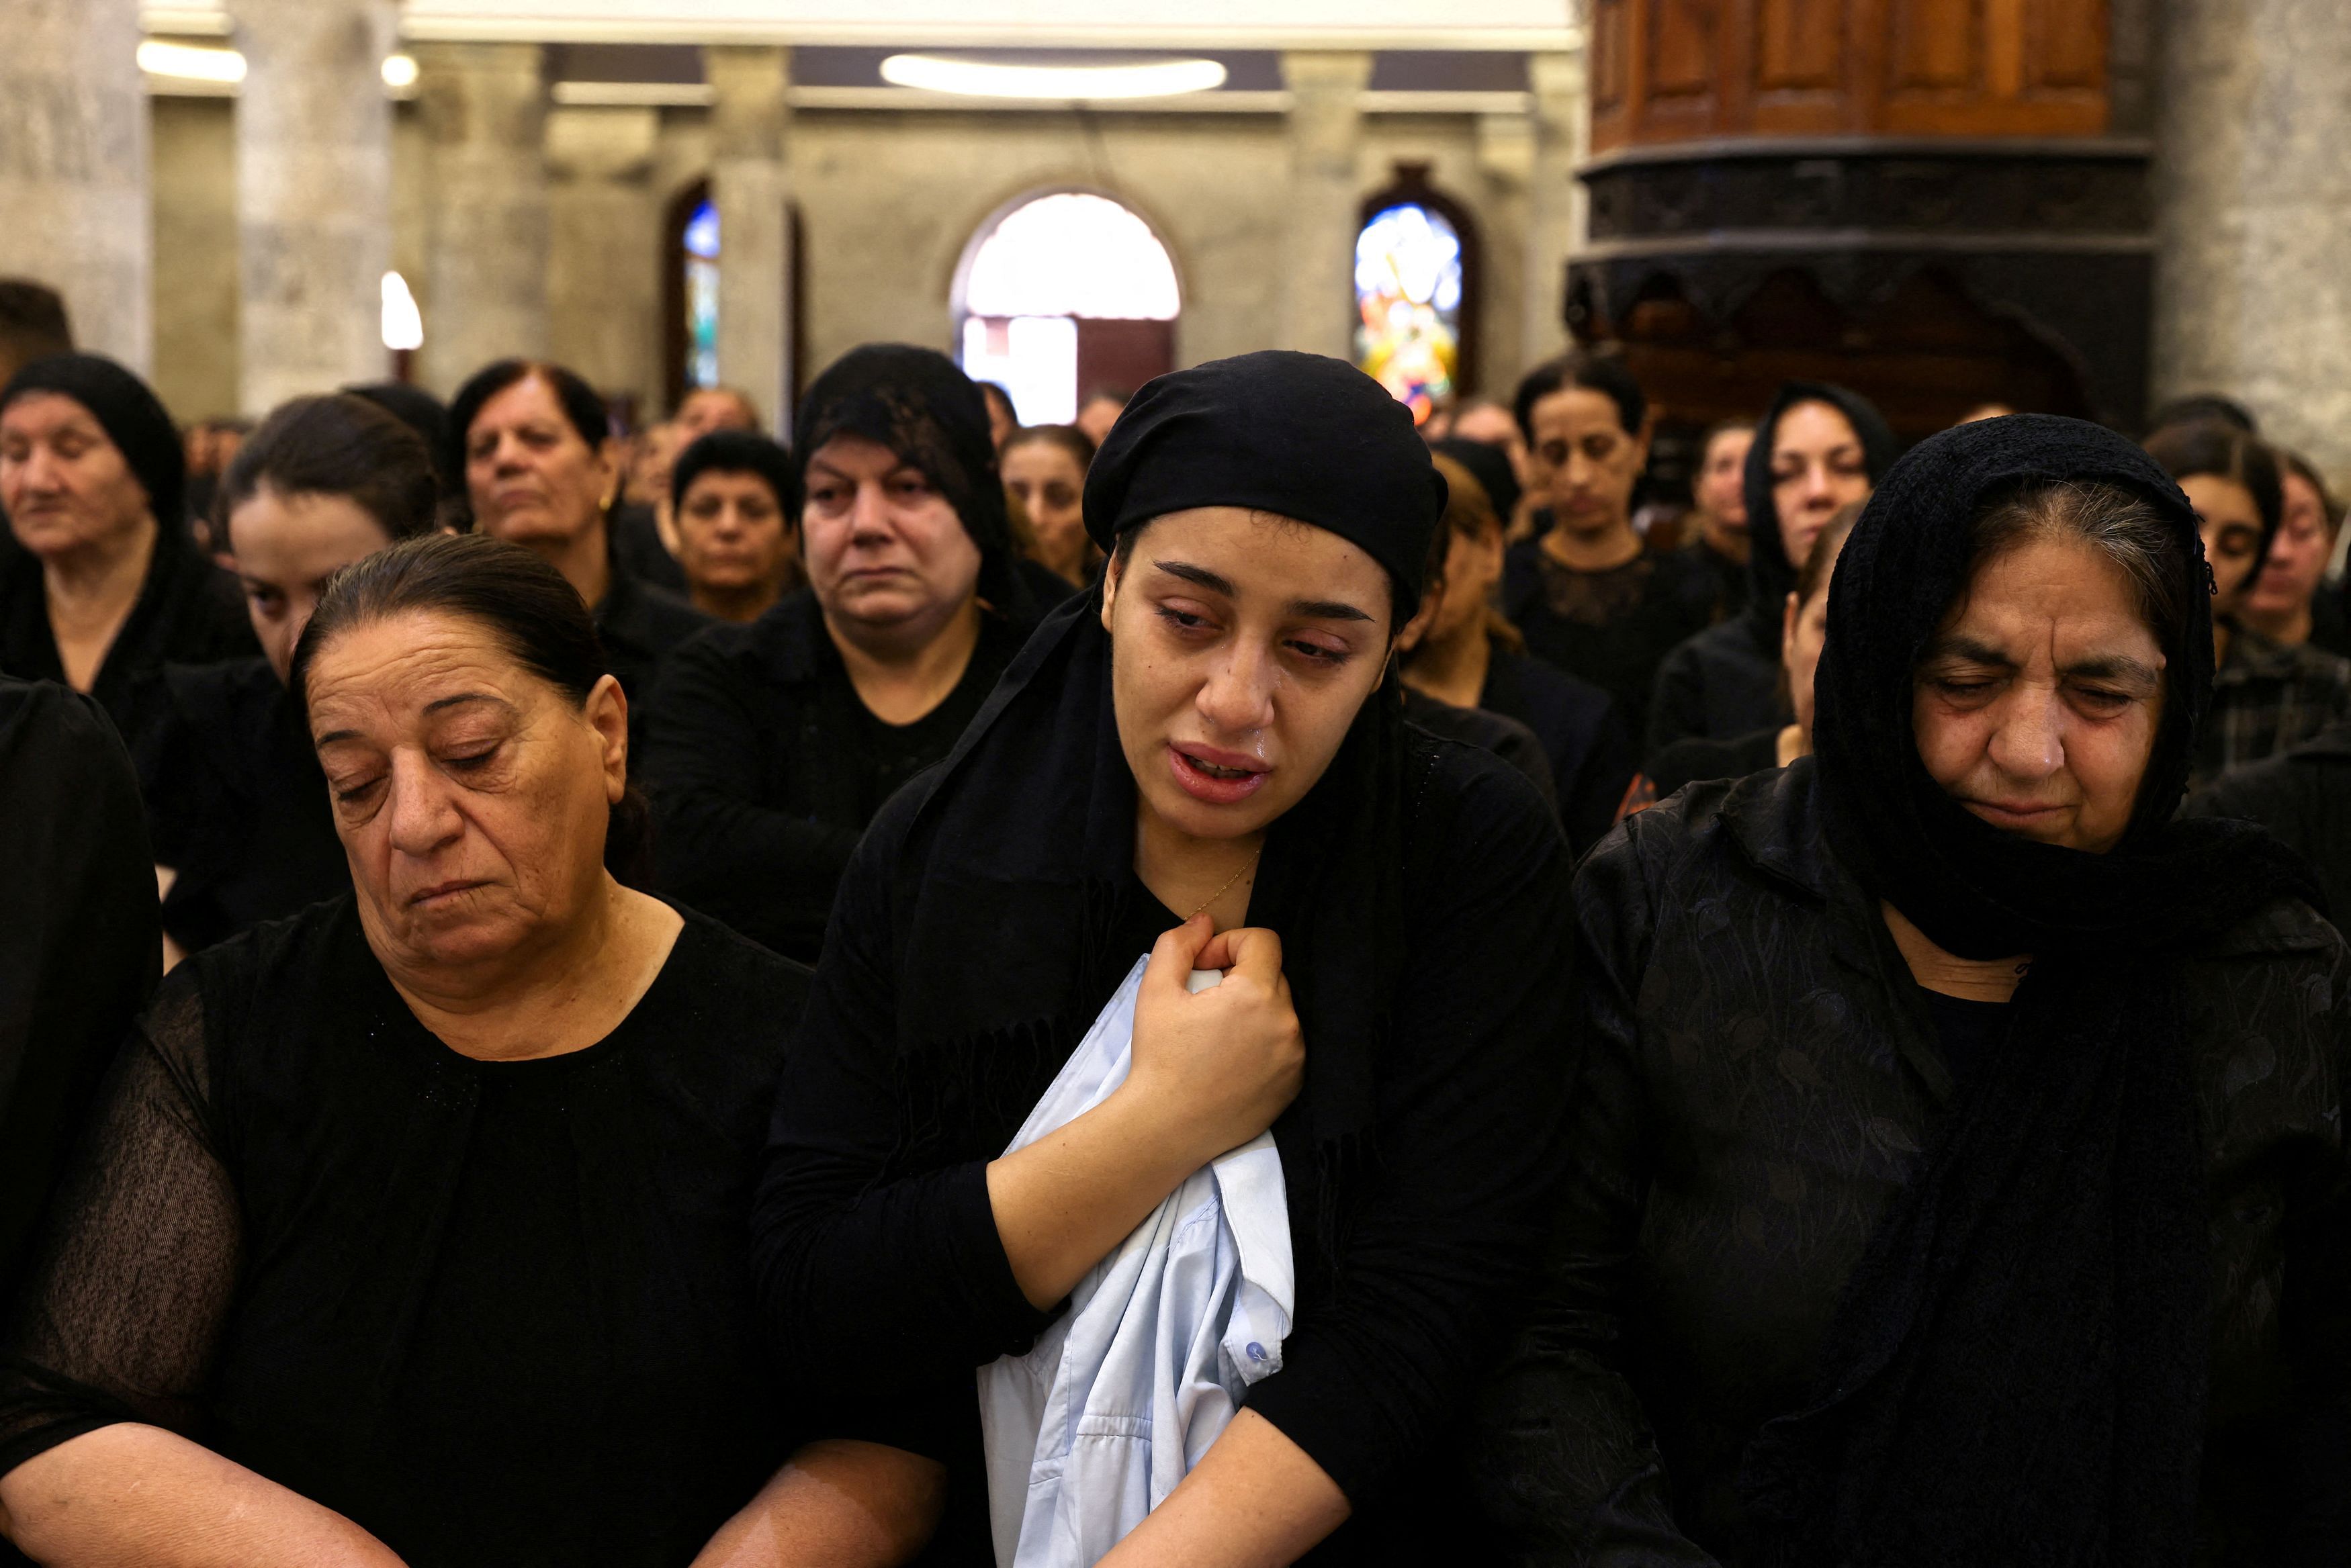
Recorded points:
1671,70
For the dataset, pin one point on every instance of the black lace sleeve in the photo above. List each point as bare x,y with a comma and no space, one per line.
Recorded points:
129,1286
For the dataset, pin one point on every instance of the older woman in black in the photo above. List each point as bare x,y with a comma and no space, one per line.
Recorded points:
1819,450
234,802
1959,1173
1202,759
777,742
411,1229
542,469
101,585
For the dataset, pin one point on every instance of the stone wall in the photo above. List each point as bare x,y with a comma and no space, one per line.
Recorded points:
196,322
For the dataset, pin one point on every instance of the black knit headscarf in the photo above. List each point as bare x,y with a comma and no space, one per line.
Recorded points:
2016,1373
1772,574
916,402
1029,832
128,411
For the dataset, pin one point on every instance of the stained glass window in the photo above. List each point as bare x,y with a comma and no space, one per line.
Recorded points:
702,296
1409,280
1045,265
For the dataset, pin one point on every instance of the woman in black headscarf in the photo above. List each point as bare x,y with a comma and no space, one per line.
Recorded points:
1818,448
777,742
101,585
1209,742
1958,1165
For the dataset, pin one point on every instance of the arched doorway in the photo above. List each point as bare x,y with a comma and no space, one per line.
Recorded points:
1062,294
1416,293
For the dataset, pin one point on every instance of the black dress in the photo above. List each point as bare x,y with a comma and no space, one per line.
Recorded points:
188,611
1506,738
236,803
766,766
638,550
1720,685
2303,797
491,1311
1760,1078
1614,628
641,625
79,951
1582,731
1695,758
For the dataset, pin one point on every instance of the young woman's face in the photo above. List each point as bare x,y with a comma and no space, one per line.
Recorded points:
286,547
885,549
732,537
1473,564
471,795
2298,557
533,478
1052,489
64,482
1818,466
1589,459
1242,646
1721,490
2037,703
2231,525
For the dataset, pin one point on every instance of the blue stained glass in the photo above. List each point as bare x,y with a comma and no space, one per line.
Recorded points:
1408,303
702,296
701,231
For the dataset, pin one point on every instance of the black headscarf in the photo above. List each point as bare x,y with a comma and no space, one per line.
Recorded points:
1769,570
131,415
916,402
2017,1370
1028,834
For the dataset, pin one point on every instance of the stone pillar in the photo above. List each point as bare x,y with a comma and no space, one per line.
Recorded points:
603,274
1561,112
74,167
2252,277
1318,264
1505,164
485,299
313,193
750,180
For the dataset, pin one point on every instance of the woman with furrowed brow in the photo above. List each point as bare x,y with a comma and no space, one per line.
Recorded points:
1198,765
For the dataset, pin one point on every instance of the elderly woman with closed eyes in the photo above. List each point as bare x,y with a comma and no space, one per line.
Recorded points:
411,1229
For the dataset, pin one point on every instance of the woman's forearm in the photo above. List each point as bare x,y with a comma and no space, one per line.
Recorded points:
1253,1501
130,1495
838,1503
1063,1203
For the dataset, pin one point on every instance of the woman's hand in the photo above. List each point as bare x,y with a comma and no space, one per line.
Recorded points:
1216,1067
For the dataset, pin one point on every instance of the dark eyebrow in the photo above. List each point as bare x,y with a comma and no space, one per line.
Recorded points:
1311,609
1968,648
435,706
2116,666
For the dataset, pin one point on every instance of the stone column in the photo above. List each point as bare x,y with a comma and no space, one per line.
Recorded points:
2252,278
74,167
1318,264
485,299
313,194
1505,164
603,274
750,180
1561,112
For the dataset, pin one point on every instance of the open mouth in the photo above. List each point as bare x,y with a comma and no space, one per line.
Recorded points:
1217,778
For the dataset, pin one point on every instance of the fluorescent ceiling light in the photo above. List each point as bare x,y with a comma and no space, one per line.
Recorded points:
400,71
979,78
190,62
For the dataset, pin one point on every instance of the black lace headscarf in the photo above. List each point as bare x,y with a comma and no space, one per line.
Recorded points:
916,402
1028,835
1771,574
2017,1371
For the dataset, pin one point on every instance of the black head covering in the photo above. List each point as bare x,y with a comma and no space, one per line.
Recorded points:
1296,435
1490,465
1029,833
2017,1370
736,452
426,414
128,411
916,402
1772,575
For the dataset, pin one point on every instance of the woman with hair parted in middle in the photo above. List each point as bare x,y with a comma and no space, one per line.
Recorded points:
1958,1173
1202,761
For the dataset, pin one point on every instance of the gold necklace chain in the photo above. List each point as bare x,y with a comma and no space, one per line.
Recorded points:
1250,865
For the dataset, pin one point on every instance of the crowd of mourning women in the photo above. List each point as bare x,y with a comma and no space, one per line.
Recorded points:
1248,983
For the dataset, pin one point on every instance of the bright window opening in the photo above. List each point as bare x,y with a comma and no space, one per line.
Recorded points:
1408,281
702,296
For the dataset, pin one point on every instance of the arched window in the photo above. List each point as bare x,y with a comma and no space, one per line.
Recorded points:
1061,294
1416,285
699,247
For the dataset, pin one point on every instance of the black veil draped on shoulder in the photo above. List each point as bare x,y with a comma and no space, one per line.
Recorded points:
2017,1369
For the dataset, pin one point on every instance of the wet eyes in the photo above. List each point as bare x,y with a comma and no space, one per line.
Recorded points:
1191,625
